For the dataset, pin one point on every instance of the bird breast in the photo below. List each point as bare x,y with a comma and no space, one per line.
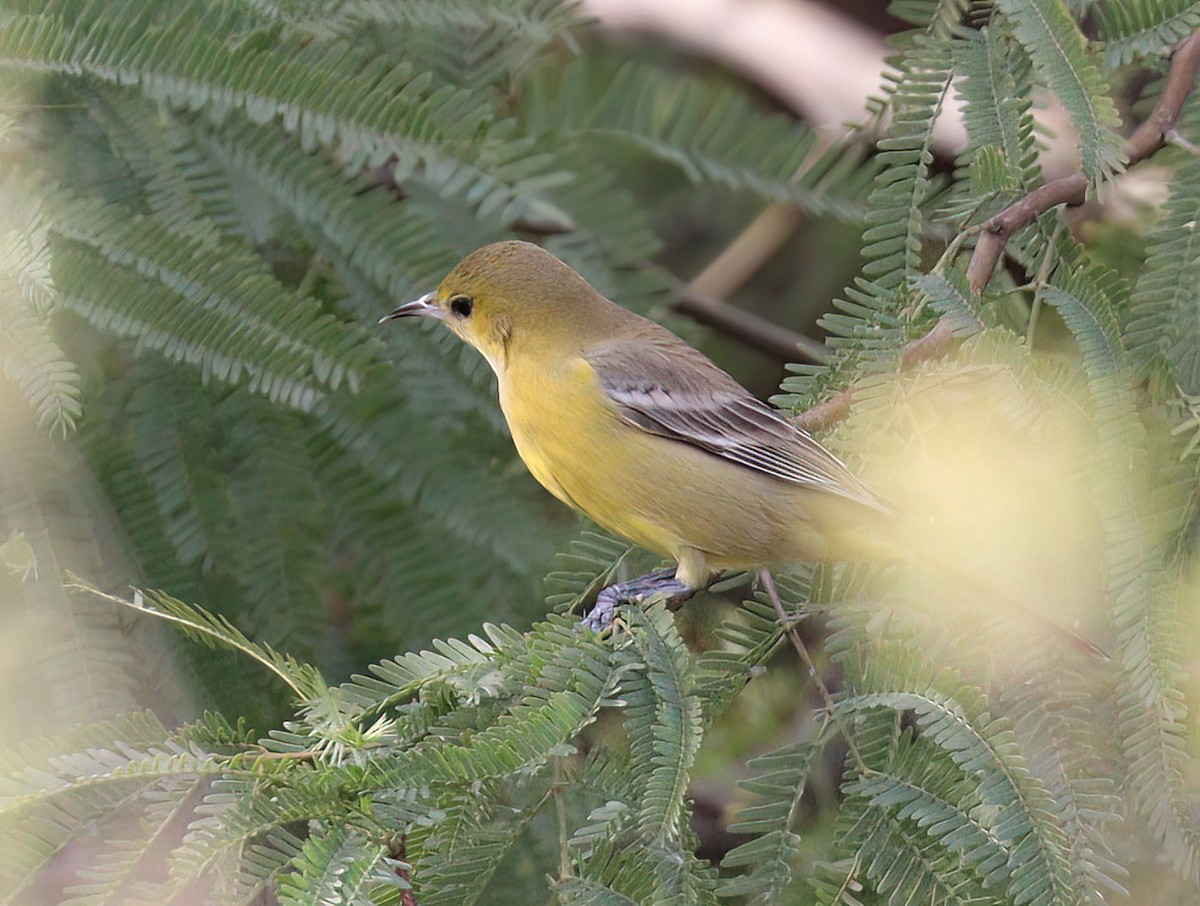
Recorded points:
664,495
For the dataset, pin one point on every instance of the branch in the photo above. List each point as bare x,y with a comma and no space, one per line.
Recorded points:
1157,130
1147,139
747,327
822,415
930,346
837,407
750,250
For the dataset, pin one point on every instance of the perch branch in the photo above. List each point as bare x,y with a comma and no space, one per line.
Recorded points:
822,415
749,251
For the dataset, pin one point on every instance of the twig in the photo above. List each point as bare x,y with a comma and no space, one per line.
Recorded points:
930,346
1157,130
837,407
1147,139
399,852
1043,275
749,251
1020,214
306,755
822,415
1174,137
564,842
747,327
701,297
789,628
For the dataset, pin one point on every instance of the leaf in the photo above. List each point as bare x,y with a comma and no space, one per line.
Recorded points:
1061,56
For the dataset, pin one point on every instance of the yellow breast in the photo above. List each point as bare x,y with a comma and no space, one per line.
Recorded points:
666,496
571,439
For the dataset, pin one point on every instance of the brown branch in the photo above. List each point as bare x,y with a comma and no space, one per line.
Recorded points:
1147,139
701,298
399,852
788,626
837,407
1157,130
822,415
747,327
930,346
749,251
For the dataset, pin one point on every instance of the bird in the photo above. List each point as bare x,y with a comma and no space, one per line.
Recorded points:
627,423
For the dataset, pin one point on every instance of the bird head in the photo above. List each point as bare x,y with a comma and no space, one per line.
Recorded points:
511,293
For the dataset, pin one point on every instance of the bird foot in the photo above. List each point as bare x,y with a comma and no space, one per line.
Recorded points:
661,583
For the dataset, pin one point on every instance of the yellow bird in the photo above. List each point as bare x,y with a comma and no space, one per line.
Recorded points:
622,420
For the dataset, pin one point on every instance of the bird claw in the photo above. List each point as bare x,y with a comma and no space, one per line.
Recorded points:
642,590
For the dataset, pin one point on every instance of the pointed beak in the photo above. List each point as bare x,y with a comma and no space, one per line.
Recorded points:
425,307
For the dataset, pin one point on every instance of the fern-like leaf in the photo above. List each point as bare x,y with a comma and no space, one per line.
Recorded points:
30,358
664,721
780,780
712,136
995,87
336,865
1163,309
892,242
1061,56
1134,28
1150,706
212,629
1020,811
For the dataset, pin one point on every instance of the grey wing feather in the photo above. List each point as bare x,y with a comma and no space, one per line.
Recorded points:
699,404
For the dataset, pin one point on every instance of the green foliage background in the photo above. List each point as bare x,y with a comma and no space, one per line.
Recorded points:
207,205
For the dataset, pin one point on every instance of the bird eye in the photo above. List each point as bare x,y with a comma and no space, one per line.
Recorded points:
461,306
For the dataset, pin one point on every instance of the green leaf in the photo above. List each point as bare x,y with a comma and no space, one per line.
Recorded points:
1164,312
1136,28
1061,56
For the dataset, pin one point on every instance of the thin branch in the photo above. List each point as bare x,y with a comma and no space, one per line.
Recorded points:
749,251
789,628
930,346
701,297
1040,281
1174,137
399,852
564,841
1020,214
1147,139
239,642
837,407
821,416
747,327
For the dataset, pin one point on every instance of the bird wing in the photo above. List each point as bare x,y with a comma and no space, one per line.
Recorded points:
664,387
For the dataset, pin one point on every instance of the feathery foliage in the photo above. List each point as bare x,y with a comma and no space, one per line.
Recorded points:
1063,59
208,205
1132,28
1163,307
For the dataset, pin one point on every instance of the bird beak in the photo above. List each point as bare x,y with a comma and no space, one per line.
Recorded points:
424,307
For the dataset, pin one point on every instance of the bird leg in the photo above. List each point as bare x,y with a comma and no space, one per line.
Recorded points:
661,582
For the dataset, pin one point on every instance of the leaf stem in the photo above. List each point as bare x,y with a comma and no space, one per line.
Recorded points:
564,840
789,629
